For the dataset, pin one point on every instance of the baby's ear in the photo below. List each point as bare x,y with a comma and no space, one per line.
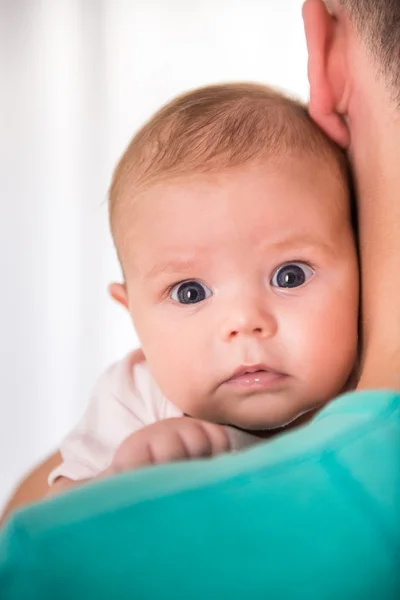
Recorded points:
118,293
326,71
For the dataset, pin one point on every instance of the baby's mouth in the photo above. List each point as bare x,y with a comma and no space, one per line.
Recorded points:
255,377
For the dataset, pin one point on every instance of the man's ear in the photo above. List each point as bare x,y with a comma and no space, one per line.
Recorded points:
326,71
118,292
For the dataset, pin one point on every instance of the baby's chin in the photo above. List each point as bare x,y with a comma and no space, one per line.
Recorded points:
257,413
279,426
262,415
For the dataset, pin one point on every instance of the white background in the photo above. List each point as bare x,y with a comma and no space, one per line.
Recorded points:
78,77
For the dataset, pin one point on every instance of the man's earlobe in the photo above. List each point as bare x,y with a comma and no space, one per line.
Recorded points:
118,292
325,71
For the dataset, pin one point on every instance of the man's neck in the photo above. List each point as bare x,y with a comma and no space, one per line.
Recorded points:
376,166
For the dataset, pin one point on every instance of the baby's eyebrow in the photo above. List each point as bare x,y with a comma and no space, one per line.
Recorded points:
173,264
302,240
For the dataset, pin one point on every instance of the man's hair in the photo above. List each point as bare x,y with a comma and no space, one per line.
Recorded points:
378,22
212,129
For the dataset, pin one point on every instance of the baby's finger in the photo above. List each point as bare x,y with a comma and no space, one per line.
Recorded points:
195,438
132,454
217,435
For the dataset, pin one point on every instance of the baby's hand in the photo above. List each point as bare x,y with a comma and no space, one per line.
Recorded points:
169,440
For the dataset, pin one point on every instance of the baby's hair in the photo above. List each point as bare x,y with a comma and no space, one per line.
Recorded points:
212,129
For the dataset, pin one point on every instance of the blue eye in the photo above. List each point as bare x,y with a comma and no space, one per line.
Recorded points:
190,292
291,275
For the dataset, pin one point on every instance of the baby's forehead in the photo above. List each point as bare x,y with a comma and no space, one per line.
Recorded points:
296,191
324,171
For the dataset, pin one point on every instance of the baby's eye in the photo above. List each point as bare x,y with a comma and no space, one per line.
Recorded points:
291,275
190,292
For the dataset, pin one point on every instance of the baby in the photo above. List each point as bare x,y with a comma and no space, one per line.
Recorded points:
230,213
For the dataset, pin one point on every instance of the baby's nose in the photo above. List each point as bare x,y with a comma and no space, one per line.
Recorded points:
248,321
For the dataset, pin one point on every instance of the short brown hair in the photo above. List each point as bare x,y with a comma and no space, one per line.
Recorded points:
215,128
378,22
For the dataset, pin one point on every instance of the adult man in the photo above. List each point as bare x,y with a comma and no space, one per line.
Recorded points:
222,532
354,72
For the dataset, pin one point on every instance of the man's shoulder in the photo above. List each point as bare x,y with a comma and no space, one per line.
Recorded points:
323,499
349,438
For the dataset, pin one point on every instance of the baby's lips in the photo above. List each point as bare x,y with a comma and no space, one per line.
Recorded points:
248,370
256,380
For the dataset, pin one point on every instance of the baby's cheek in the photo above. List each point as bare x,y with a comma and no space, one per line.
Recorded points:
176,372
322,349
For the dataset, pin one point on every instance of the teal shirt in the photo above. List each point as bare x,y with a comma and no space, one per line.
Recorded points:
313,514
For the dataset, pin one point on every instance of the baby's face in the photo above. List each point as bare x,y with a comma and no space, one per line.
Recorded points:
243,288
